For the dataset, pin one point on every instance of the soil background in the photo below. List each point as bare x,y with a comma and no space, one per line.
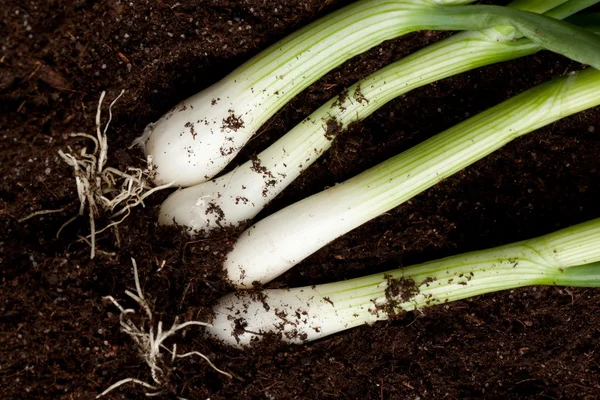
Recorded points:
60,340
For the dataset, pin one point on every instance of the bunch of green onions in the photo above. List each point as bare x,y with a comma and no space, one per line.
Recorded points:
197,139
278,242
242,193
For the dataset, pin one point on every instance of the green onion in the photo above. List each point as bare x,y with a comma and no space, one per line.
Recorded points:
570,8
201,135
280,241
569,257
242,193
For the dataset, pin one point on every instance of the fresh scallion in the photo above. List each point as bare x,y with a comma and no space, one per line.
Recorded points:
569,257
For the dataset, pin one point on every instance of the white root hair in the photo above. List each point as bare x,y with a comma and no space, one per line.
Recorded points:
150,343
113,191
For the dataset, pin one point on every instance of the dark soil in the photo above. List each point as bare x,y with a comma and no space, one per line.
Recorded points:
60,340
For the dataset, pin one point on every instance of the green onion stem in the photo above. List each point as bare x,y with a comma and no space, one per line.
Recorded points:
536,6
554,35
568,8
570,257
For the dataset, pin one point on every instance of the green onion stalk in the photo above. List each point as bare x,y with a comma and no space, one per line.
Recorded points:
283,239
241,194
569,257
198,137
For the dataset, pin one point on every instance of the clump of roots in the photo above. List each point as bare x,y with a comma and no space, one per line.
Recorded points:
106,189
150,343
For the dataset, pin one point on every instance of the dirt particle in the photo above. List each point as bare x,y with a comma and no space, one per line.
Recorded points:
332,128
427,281
232,122
213,208
259,168
241,199
359,96
398,291
191,128
268,178
341,98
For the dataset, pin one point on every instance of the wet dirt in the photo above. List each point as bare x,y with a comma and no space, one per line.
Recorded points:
60,340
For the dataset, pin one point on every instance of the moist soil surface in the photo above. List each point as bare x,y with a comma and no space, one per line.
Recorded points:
60,340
